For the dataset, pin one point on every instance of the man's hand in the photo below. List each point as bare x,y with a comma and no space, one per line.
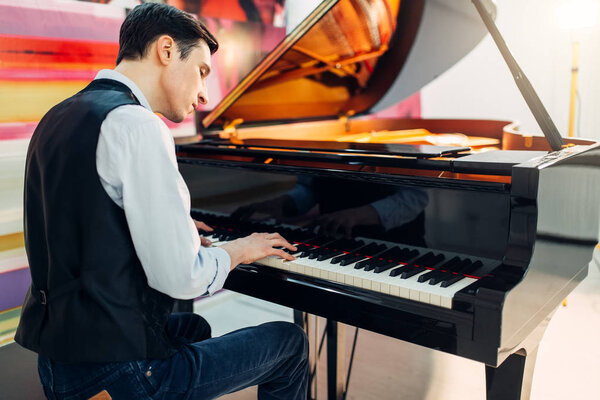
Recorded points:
256,246
202,226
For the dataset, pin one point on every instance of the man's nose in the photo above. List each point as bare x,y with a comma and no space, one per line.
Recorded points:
202,98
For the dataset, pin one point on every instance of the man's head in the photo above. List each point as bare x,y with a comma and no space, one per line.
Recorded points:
175,47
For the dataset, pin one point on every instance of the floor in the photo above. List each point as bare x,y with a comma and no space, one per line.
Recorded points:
567,367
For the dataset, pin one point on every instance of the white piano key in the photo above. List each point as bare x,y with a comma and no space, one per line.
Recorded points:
382,282
445,295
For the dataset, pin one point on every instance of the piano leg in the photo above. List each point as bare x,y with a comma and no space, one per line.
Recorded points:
303,320
335,334
512,379
336,384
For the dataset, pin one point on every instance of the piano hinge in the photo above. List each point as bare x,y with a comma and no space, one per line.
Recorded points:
344,118
230,128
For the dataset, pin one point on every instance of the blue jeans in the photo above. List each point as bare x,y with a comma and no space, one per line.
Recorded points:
273,356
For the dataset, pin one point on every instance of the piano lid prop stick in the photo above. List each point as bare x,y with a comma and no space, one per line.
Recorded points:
533,101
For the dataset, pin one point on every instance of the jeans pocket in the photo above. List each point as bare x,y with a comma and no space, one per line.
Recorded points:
149,373
121,382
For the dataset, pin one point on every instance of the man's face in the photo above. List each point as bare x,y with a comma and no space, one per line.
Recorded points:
184,83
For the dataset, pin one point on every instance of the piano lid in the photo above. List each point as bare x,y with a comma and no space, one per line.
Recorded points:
351,57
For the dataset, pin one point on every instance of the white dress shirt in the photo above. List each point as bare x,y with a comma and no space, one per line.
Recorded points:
138,169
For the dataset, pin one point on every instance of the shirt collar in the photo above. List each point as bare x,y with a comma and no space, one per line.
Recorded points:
119,77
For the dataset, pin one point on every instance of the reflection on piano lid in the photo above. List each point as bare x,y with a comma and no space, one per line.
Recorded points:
406,150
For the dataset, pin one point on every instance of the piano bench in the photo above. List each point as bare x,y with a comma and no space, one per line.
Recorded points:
19,377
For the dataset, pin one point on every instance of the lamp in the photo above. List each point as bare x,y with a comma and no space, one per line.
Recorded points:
576,15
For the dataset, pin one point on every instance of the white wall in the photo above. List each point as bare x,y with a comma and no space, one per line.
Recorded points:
480,85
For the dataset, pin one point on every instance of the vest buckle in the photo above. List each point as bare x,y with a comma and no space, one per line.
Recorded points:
43,297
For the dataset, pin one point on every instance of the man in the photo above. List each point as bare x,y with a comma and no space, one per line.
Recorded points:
111,243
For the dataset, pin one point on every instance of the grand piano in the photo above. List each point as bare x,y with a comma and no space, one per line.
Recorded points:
462,236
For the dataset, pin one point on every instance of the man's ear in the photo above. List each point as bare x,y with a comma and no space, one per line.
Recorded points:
165,49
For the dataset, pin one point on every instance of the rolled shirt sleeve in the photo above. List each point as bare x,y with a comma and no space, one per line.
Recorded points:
401,207
138,168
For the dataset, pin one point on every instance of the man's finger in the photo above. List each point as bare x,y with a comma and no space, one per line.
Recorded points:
205,242
282,243
282,254
274,235
203,226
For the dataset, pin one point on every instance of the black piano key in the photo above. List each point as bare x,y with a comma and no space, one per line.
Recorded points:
350,260
452,280
383,257
376,256
424,258
222,236
404,253
428,276
342,257
437,271
316,248
370,266
392,253
334,244
399,270
412,272
292,252
472,268
346,251
362,264
302,247
450,264
464,264
358,254
382,268
319,241
328,255
442,276
306,252
435,260
338,259
335,248
408,255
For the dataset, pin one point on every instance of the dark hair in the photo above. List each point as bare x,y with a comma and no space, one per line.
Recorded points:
146,22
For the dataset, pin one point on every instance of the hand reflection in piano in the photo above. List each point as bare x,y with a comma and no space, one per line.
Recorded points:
344,208
343,222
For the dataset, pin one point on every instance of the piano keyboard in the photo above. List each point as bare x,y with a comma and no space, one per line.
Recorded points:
409,272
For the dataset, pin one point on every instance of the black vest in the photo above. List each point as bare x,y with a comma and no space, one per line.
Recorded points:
89,300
